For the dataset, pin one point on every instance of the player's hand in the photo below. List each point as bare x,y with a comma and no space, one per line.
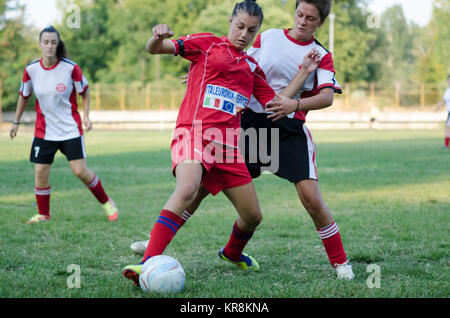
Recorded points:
13,130
184,79
239,109
162,31
281,106
87,124
311,61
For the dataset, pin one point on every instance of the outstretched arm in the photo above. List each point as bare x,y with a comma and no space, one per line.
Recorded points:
158,44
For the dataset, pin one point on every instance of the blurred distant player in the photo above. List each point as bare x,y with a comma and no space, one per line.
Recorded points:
55,81
446,101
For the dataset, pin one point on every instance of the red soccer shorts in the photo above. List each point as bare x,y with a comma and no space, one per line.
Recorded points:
224,167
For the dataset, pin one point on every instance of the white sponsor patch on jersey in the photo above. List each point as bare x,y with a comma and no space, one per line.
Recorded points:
223,99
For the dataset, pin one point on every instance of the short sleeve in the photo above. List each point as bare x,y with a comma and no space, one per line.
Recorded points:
80,82
192,46
326,74
26,87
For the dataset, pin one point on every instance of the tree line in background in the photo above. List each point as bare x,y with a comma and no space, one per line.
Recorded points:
109,45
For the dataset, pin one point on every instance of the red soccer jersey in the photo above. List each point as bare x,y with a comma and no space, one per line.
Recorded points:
221,80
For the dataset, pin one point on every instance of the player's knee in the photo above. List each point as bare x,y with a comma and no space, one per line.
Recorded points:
187,193
42,172
253,219
316,208
82,174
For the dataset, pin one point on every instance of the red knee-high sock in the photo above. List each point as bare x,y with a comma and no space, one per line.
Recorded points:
163,231
43,200
447,139
332,242
237,242
97,190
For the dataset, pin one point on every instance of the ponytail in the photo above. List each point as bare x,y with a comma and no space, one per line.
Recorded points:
61,51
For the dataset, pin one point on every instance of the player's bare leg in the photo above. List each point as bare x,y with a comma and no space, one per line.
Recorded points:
89,178
189,177
81,171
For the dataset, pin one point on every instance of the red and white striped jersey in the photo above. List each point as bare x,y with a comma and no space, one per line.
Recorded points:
281,56
55,88
221,80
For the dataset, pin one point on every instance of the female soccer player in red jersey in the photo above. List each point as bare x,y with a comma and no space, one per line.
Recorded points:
280,53
446,101
55,81
221,80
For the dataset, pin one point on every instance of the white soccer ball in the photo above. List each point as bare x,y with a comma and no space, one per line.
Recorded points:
162,274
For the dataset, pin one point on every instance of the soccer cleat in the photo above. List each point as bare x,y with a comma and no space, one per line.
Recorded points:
132,272
38,218
111,210
245,262
344,271
139,247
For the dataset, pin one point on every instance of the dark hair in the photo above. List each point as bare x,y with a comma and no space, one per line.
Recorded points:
251,7
324,7
61,51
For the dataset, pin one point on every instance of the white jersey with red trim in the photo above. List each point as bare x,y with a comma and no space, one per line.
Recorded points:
280,56
55,88
447,98
221,80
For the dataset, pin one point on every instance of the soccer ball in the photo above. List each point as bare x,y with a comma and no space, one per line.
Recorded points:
162,274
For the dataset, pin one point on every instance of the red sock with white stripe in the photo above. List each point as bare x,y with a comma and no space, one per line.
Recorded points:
237,242
447,139
163,231
43,200
332,242
97,190
185,216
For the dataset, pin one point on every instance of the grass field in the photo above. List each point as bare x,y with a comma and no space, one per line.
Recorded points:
389,191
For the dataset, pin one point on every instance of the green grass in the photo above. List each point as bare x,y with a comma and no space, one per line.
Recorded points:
389,191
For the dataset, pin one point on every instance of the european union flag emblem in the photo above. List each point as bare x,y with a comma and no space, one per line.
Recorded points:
228,107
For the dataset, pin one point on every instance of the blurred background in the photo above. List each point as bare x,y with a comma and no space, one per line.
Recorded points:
394,55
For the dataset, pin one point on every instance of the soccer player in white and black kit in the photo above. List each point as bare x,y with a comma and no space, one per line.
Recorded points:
56,81
446,101
275,50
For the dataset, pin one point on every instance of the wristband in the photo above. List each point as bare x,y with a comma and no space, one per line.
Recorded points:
298,105
16,123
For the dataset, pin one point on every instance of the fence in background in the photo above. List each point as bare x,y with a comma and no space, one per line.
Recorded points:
355,97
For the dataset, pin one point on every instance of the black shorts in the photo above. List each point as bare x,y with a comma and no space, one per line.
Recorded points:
284,147
43,151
